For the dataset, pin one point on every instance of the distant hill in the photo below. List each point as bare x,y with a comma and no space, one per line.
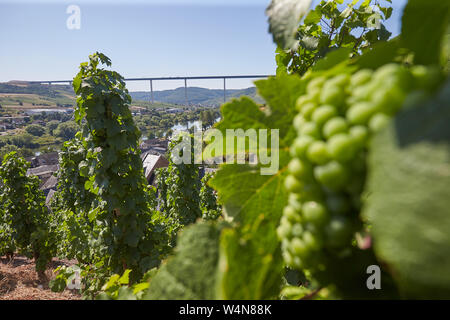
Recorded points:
15,92
196,95
24,93
21,87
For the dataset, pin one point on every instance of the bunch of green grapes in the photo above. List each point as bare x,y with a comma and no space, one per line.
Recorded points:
336,118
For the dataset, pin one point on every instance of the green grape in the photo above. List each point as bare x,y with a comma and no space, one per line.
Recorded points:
359,134
292,213
332,95
295,202
341,147
311,241
300,146
299,169
334,126
297,262
292,184
287,257
299,248
315,84
299,120
310,129
297,230
283,231
327,174
388,100
301,101
378,121
361,112
315,213
338,232
308,109
360,78
332,175
323,114
340,81
393,76
318,152
314,95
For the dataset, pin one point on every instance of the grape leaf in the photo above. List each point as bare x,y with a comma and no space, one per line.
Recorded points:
256,201
423,27
408,203
191,273
284,16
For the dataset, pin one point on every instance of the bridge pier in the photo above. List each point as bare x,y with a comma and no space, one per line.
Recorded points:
151,90
185,92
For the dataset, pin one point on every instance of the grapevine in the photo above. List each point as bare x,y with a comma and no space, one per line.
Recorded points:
208,200
26,222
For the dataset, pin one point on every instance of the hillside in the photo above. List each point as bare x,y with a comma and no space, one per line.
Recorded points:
15,93
196,95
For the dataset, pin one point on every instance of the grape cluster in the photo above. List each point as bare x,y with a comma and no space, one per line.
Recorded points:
335,120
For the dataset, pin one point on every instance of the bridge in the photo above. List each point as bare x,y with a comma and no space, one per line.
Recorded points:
151,80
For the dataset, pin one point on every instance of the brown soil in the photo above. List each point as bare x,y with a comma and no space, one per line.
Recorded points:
19,281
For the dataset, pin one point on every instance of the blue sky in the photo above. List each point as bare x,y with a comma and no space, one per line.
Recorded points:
143,39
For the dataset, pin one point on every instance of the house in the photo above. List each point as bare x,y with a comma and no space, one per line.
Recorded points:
43,172
152,162
174,110
50,158
156,146
50,184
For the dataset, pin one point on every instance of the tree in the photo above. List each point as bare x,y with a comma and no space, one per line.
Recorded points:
327,28
23,140
52,125
66,130
35,130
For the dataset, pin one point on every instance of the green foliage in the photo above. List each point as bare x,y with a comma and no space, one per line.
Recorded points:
76,206
52,125
25,220
66,130
284,16
252,266
106,209
23,140
118,288
162,187
191,272
211,210
424,24
8,148
182,204
408,203
208,118
35,130
328,28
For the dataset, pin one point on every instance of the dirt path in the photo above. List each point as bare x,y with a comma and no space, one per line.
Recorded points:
19,281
